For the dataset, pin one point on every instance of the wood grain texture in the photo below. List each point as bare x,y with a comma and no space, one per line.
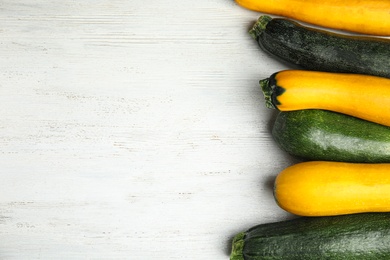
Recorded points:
132,129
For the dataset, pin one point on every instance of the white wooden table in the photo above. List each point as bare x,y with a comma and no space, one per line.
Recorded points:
132,129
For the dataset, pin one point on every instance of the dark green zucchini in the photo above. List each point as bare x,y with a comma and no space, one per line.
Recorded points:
325,135
316,49
357,236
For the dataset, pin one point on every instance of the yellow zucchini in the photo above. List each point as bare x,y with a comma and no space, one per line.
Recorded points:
362,96
323,188
367,17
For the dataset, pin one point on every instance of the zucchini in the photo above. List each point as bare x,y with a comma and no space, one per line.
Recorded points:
324,135
366,17
357,236
323,188
315,49
363,96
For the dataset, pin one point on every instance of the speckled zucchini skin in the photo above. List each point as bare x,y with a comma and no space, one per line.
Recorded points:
357,236
315,49
325,135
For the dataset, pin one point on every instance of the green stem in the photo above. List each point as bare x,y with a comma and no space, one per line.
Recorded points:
237,247
267,91
259,26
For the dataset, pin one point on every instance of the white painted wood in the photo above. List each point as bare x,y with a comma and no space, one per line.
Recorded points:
132,129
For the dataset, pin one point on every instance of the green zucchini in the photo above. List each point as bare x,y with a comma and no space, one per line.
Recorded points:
357,236
324,135
321,50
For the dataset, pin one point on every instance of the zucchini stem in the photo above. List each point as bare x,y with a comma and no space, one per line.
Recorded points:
238,247
259,27
267,92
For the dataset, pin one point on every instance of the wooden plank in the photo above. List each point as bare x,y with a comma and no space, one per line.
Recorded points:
132,129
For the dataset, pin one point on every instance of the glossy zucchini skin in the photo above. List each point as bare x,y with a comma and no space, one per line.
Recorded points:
356,236
321,50
324,135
